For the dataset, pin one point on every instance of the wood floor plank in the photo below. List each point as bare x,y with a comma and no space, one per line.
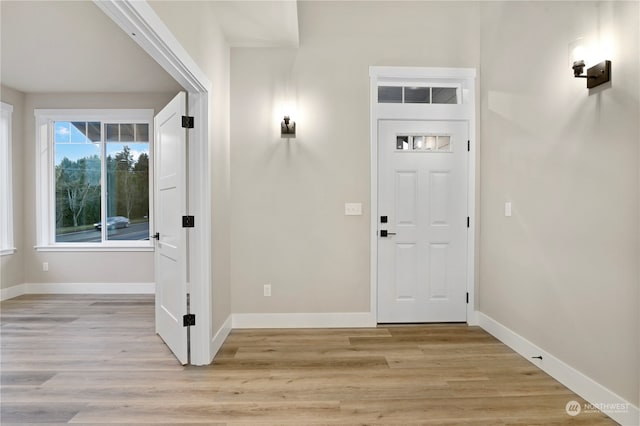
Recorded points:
96,360
327,363
13,378
39,412
266,412
331,351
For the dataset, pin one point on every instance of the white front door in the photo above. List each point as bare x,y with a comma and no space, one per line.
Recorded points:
170,199
422,203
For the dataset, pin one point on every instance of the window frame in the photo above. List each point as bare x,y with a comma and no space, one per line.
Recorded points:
45,175
7,243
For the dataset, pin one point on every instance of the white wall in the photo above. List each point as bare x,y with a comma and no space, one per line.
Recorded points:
194,25
11,266
77,267
288,223
562,272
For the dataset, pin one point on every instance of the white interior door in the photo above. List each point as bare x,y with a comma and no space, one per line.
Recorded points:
422,203
170,199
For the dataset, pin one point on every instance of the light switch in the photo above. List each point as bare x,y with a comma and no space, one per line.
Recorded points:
507,209
353,209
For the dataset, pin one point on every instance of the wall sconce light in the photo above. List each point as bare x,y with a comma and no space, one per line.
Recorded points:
287,128
596,75
586,53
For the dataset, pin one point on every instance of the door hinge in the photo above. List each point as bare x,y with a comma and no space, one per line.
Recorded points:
188,320
187,122
467,297
188,222
468,221
468,145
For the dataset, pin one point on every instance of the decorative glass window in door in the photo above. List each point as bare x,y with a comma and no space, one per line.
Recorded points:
424,143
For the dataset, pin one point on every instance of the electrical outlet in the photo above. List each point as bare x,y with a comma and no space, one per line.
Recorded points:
45,266
267,290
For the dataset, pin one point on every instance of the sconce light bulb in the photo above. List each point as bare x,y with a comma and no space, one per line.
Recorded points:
579,52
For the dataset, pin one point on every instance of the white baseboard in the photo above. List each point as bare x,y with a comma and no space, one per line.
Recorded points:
616,407
304,320
11,292
220,337
77,288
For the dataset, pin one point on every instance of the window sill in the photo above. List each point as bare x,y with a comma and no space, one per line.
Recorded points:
7,251
92,248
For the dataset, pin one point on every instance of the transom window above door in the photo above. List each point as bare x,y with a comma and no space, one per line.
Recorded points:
390,94
94,178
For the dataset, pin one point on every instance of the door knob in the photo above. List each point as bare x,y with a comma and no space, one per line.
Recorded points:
385,233
156,236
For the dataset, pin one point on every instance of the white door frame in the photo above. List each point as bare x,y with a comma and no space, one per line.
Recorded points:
144,26
466,111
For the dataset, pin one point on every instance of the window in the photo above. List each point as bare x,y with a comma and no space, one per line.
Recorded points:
390,94
423,143
6,187
94,183
418,94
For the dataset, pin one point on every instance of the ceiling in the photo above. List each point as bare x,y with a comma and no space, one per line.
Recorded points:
72,46
259,23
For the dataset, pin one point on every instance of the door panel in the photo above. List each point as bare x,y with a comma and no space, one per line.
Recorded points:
406,270
438,283
422,188
171,248
406,197
438,202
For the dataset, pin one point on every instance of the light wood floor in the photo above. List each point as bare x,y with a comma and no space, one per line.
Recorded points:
96,359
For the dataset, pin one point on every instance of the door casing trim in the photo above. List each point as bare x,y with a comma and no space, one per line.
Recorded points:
466,111
145,27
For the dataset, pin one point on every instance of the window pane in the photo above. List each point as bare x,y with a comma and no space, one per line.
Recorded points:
402,143
62,131
78,132
77,186
430,143
142,132
416,95
390,94
418,143
127,191
126,133
445,95
444,143
113,132
93,132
